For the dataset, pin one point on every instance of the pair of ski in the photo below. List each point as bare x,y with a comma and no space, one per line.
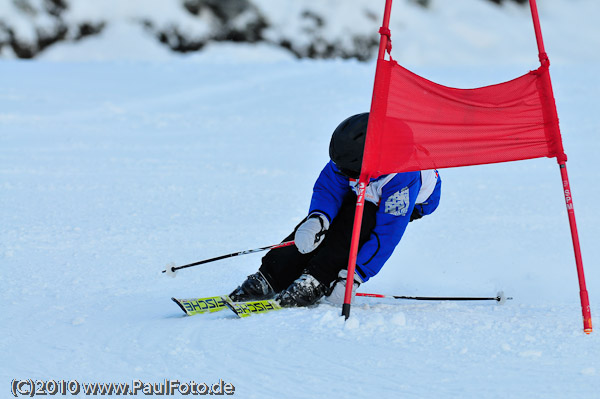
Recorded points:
213,304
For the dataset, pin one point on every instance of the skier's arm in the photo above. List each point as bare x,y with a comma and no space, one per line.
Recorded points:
397,203
328,192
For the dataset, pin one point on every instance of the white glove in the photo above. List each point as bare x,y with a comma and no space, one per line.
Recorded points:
311,233
339,289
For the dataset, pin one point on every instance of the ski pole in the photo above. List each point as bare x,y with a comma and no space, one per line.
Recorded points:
171,269
500,297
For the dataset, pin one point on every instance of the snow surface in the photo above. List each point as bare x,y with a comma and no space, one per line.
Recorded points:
110,170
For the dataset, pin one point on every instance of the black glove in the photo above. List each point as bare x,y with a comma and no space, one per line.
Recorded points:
416,214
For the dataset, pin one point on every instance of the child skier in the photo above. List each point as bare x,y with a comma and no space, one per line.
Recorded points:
301,274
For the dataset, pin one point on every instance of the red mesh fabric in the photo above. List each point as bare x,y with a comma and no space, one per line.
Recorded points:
416,124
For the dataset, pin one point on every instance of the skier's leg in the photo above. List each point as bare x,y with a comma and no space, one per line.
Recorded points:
279,268
332,256
283,265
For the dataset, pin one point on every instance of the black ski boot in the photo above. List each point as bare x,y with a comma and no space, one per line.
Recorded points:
304,291
256,287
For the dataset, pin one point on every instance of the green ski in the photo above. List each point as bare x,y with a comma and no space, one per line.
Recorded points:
194,306
245,309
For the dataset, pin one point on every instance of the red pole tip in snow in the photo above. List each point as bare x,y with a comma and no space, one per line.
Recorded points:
583,294
360,202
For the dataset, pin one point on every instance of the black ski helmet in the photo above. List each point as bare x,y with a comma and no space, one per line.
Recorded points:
348,144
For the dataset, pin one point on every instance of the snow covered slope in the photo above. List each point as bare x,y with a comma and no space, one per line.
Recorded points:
130,166
110,170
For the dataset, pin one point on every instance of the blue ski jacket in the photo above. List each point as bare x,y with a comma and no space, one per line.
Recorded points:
397,195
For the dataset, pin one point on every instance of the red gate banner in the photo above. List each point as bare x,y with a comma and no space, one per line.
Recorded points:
416,124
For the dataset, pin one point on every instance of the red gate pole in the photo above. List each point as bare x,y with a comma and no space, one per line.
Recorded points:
562,162
538,31
360,202
583,294
364,178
